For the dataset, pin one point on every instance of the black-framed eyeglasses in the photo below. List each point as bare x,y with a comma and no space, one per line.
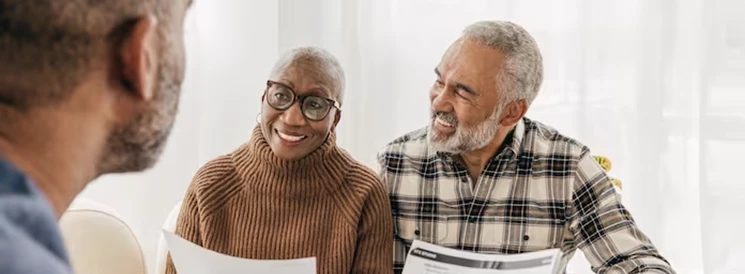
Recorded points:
282,97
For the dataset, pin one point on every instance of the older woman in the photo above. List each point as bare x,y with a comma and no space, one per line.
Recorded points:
290,192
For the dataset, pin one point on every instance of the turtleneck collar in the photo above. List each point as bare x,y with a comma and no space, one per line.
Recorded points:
320,172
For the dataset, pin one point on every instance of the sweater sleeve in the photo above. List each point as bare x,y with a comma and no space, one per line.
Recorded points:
374,254
187,225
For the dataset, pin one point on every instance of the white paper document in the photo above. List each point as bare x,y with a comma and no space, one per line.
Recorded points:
193,259
425,258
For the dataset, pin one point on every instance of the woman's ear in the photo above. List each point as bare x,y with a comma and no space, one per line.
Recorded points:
337,118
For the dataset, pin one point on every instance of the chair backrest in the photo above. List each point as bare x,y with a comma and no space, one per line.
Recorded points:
162,253
98,241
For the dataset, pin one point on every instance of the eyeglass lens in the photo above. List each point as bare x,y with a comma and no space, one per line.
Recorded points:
313,107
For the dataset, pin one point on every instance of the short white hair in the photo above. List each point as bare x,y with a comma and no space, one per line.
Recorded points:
522,74
324,60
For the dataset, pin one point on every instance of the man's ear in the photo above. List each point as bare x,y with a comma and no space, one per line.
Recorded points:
513,112
138,58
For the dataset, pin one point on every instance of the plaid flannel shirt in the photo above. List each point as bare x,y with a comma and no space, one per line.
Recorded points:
542,191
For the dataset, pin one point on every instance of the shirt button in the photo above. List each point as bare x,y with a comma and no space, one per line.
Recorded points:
416,232
472,219
526,237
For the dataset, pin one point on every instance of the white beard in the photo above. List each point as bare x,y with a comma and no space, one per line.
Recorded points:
465,139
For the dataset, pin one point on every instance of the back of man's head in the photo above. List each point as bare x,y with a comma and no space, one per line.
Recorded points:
48,47
117,63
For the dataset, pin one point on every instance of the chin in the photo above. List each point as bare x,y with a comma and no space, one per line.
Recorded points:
281,152
127,163
436,137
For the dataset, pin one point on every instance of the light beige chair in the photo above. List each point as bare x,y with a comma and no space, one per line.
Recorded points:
98,241
162,253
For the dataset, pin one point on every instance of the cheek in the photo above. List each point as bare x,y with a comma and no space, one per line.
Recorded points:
268,114
322,128
467,115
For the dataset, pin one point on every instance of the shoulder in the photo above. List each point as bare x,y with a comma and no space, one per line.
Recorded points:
565,156
546,142
362,195
215,181
29,238
214,171
410,146
363,188
20,254
559,155
363,180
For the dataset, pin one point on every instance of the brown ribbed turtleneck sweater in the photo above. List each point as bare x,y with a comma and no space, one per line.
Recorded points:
252,204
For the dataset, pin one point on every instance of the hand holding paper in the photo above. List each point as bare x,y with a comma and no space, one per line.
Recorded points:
189,258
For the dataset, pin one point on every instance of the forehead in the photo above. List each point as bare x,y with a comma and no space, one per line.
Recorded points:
471,61
309,77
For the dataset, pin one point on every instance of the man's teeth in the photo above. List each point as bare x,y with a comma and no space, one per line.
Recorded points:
441,122
291,138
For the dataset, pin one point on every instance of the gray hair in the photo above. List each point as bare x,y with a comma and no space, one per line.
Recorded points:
522,74
326,63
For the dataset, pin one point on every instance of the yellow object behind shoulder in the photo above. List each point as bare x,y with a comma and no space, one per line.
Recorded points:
606,164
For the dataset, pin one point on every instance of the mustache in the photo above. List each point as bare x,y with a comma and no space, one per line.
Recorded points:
448,117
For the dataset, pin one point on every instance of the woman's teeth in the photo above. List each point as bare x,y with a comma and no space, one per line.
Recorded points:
291,138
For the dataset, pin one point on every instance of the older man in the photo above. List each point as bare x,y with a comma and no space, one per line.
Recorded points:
483,178
86,88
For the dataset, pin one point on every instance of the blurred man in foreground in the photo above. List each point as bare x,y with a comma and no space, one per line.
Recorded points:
86,88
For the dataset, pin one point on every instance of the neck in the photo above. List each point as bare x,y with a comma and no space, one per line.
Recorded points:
476,160
53,149
320,172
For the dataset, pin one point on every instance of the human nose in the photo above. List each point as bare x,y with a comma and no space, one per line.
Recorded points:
293,116
440,100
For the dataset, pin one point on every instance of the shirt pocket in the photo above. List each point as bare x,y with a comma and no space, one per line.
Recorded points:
427,228
532,229
534,237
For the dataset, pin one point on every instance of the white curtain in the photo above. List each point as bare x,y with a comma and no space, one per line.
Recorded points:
651,84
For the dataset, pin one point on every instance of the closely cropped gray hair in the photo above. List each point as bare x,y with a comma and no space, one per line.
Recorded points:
326,62
522,75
